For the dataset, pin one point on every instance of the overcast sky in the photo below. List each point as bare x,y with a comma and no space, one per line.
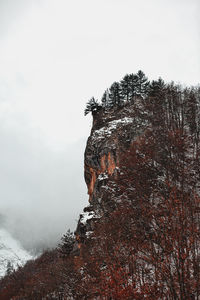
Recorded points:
55,55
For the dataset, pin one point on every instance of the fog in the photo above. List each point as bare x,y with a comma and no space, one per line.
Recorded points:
42,191
54,56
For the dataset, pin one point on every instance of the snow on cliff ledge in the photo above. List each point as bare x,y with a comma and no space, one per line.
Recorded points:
11,252
111,126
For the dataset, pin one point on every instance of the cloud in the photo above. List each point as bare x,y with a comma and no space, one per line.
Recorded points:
10,12
42,191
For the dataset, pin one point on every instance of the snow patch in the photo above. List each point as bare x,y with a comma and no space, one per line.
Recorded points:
112,125
88,233
102,176
86,216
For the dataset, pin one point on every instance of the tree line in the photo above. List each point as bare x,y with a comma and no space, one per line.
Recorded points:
119,93
126,91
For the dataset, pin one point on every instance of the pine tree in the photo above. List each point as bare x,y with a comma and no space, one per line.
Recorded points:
9,268
115,96
67,243
133,81
105,99
92,106
156,88
125,87
142,84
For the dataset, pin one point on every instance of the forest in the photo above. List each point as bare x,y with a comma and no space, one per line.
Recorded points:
148,246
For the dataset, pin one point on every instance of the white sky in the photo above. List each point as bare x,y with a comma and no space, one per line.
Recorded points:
55,55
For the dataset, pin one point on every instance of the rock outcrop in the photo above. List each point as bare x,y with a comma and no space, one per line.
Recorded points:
112,133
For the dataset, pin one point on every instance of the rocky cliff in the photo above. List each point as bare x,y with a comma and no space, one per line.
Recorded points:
112,133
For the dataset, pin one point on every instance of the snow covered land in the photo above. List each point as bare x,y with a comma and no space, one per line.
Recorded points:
12,254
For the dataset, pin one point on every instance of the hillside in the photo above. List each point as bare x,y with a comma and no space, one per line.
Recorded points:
139,236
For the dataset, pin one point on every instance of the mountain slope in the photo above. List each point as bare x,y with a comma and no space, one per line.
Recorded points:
12,254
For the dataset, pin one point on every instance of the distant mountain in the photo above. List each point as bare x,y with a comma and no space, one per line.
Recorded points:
12,253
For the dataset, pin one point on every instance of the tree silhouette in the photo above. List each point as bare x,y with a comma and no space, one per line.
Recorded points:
115,97
92,106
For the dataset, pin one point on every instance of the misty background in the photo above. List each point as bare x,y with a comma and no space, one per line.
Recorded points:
55,55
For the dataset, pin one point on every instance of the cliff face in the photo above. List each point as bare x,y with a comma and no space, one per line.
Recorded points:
112,133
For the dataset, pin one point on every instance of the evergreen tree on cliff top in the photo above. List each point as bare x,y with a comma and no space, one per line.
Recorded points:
142,84
125,86
130,87
115,96
92,106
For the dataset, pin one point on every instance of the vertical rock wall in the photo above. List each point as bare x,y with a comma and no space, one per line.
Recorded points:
112,133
